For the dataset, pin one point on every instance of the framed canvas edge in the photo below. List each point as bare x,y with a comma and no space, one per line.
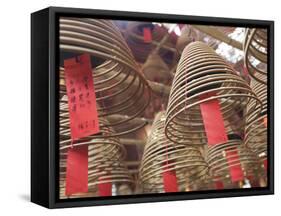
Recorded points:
54,202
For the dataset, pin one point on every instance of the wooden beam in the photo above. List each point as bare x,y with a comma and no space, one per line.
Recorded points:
213,32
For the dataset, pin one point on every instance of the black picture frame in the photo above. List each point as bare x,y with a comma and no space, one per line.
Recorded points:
44,107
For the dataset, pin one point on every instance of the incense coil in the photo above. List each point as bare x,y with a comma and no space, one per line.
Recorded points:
256,123
136,42
255,53
141,49
202,72
120,87
186,161
65,134
105,155
219,163
103,167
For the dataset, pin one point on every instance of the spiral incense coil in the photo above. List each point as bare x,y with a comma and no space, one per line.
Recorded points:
202,72
105,165
106,155
255,56
65,135
135,40
141,49
220,163
186,161
256,129
120,88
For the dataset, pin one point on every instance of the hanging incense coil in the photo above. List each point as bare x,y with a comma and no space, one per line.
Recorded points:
161,155
105,166
120,88
101,171
256,127
105,156
135,39
202,72
155,69
140,48
255,56
65,135
222,157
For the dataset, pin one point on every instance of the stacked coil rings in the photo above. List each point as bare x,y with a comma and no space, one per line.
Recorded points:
255,53
141,49
160,155
220,164
256,127
105,155
200,72
119,86
136,42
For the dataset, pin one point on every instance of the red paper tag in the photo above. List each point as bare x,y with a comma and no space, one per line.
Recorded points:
170,181
147,37
77,170
105,189
213,120
81,97
235,169
219,184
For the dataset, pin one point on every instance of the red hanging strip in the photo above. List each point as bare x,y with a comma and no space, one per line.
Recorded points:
105,189
235,169
169,177
147,36
81,97
213,120
83,120
77,170
170,181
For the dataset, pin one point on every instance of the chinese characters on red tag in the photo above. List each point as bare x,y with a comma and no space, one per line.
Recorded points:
81,97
